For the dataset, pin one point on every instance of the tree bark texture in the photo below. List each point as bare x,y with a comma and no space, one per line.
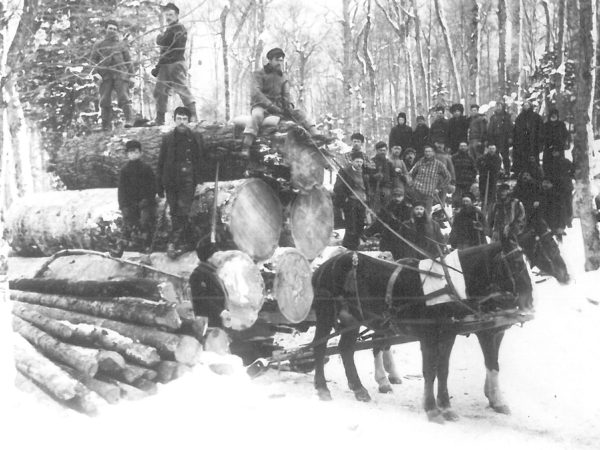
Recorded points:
225,50
502,38
583,149
474,52
449,48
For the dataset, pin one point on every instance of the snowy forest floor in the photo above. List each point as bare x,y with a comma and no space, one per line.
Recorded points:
549,374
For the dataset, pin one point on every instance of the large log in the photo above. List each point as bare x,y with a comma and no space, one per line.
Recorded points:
127,309
292,286
184,349
132,287
83,359
94,161
53,379
90,335
108,391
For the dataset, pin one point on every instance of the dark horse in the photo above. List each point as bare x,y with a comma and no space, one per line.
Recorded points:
353,289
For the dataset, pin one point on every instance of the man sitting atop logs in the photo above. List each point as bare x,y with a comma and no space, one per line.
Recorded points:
179,172
270,96
136,192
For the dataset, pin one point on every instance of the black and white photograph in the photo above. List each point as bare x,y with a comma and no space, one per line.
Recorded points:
300,224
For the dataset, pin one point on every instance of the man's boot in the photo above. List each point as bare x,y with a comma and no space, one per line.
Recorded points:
247,142
192,108
159,121
128,115
106,115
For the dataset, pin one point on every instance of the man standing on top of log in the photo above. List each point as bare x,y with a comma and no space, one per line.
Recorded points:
112,62
270,96
171,70
179,172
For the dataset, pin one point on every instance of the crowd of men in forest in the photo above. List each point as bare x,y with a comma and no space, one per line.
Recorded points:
470,160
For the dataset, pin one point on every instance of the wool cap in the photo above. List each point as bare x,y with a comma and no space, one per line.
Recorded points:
275,52
357,136
133,145
172,7
380,144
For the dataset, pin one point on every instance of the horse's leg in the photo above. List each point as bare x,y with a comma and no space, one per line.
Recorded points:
429,352
380,374
390,366
490,341
346,347
325,311
445,344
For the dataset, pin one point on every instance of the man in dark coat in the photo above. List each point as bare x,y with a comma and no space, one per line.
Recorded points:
489,169
179,172
397,211
439,128
477,132
350,193
500,133
381,177
465,170
507,219
561,172
528,137
468,225
136,193
112,61
458,127
420,137
401,134
556,138
528,191
552,208
171,70
270,96
423,232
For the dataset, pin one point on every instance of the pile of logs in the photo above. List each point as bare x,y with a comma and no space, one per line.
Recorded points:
85,341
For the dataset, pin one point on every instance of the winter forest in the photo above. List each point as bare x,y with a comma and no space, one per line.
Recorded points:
354,65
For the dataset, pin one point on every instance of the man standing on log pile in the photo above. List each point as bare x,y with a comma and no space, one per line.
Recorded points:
179,172
137,192
112,62
171,70
270,96
350,193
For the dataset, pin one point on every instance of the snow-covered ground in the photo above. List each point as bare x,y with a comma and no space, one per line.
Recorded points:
549,373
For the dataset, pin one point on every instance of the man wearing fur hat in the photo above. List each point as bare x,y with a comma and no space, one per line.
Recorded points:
112,62
171,70
350,194
270,96
468,225
401,134
458,127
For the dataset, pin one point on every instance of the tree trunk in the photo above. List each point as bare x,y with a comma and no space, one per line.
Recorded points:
583,149
559,50
126,309
548,40
502,88
225,50
131,287
260,28
442,21
184,349
373,101
82,359
52,378
424,76
347,43
474,53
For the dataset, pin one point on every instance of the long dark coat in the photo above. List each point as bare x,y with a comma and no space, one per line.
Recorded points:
528,138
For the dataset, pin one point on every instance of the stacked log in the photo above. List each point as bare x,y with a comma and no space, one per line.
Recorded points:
87,351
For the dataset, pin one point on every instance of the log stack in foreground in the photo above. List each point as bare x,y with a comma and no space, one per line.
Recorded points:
86,351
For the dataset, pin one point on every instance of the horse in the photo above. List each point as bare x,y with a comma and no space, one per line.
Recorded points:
542,251
370,294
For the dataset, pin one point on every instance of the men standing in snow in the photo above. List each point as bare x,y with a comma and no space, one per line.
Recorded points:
401,134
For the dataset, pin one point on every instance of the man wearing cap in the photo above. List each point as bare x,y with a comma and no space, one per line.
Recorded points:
458,127
171,70
381,177
528,138
401,133
468,225
465,170
400,176
423,232
112,61
136,194
397,211
350,193
507,219
409,157
439,128
179,171
477,132
430,176
270,96
420,137
500,134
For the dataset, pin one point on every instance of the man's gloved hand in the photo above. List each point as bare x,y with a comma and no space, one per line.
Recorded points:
154,71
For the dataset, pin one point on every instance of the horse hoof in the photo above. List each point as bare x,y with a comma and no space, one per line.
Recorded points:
395,380
450,415
324,395
435,416
385,389
362,395
501,409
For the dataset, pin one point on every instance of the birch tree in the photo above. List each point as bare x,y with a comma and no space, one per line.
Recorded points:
501,48
449,48
474,53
